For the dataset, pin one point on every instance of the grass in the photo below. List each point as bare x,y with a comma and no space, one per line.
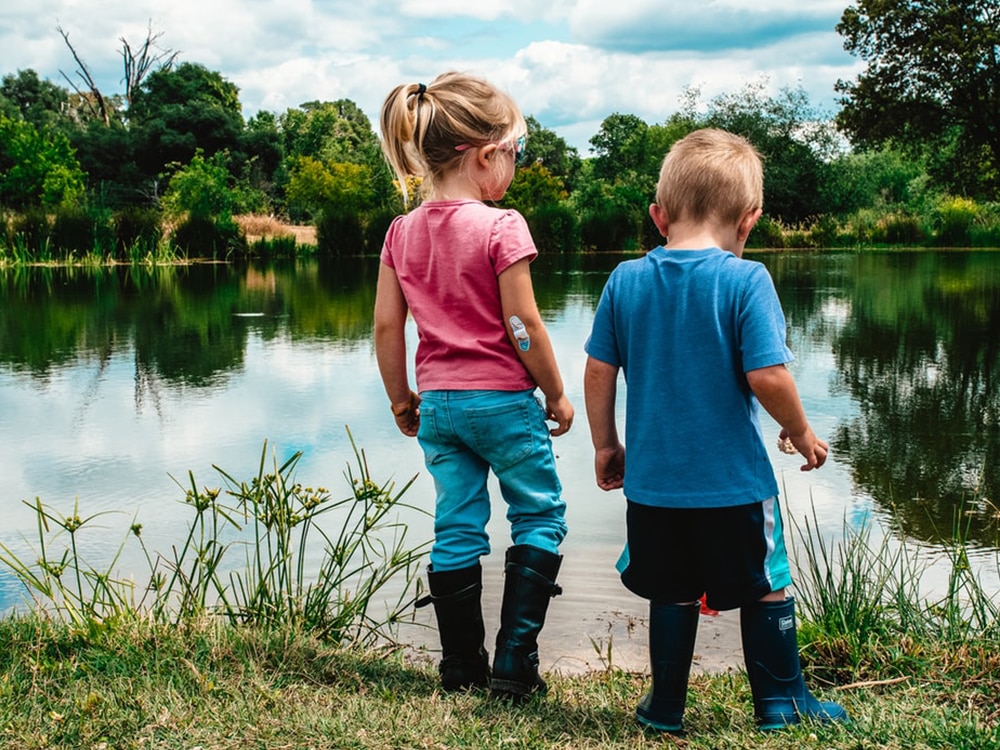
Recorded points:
248,559
213,686
199,659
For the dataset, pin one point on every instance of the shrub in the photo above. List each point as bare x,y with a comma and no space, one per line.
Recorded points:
29,231
375,228
79,231
200,237
953,220
138,232
555,228
283,246
339,232
898,228
609,229
985,231
767,232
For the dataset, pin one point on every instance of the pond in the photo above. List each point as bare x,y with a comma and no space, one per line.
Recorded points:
116,383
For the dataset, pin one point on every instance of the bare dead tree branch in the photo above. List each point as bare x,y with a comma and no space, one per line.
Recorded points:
138,63
97,105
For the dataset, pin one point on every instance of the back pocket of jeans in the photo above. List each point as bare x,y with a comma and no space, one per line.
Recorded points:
504,434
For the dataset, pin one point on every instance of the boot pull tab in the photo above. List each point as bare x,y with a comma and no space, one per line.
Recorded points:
554,588
469,590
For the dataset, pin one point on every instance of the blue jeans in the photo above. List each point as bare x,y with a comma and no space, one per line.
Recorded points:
464,434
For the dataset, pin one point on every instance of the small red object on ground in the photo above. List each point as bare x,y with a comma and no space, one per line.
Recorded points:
705,610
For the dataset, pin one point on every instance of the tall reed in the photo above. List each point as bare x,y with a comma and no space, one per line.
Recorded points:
866,603
247,558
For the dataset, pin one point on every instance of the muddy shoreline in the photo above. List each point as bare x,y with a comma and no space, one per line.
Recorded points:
595,624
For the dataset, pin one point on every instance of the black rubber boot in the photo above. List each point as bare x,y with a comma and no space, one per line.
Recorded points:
771,654
456,596
529,584
672,632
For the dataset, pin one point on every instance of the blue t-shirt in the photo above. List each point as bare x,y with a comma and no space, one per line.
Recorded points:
685,326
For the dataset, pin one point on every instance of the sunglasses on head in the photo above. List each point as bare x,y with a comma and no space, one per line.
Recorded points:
516,146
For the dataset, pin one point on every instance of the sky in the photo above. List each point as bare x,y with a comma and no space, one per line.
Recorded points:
569,63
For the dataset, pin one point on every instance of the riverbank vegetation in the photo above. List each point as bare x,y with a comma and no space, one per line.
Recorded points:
162,170
240,639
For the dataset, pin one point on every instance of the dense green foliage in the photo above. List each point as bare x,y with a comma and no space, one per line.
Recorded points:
931,88
912,157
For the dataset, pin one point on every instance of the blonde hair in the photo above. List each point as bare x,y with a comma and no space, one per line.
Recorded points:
421,125
711,174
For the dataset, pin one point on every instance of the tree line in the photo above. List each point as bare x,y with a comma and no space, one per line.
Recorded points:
911,157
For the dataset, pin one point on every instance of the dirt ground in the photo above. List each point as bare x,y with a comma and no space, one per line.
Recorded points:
594,624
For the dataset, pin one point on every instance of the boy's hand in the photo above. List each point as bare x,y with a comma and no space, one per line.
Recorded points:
609,466
813,450
561,412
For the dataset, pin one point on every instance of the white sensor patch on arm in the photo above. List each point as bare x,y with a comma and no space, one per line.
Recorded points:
520,333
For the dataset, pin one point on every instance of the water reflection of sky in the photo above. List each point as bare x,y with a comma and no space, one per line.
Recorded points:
96,434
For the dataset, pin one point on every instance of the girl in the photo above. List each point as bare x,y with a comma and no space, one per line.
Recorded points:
460,267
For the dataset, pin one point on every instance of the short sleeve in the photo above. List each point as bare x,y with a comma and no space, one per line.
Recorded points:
510,241
386,255
762,323
602,343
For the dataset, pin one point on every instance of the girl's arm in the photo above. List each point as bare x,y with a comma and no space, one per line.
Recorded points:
517,298
390,351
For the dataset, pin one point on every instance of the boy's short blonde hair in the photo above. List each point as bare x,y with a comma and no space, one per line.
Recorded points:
711,174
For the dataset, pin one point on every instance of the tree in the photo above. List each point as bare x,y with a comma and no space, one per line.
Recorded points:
791,138
534,187
98,104
37,168
38,101
932,84
316,186
178,111
201,190
141,61
332,131
549,149
337,132
619,145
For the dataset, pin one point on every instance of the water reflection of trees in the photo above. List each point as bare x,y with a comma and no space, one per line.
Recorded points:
915,337
187,325
919,351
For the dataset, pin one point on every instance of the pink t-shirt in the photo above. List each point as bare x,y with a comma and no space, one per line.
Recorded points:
447,256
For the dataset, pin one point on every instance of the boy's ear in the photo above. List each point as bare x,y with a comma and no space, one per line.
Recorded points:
661,218
747,223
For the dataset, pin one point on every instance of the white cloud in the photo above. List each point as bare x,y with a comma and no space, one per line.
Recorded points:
486,10
569,63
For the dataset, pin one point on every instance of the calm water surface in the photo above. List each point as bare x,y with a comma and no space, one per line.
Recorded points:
115,384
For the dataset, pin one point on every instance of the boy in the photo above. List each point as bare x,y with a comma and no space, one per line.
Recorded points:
700,336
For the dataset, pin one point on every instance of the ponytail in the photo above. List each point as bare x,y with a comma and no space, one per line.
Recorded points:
422,124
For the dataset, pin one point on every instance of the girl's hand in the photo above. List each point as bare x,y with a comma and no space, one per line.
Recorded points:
561,412
407,415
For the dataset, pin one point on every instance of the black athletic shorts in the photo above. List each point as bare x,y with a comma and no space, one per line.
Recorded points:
735,555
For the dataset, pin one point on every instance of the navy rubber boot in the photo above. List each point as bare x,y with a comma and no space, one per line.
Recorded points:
530,582
771,655
672,632
456,596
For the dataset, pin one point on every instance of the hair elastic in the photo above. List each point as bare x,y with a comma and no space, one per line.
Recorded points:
421,88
